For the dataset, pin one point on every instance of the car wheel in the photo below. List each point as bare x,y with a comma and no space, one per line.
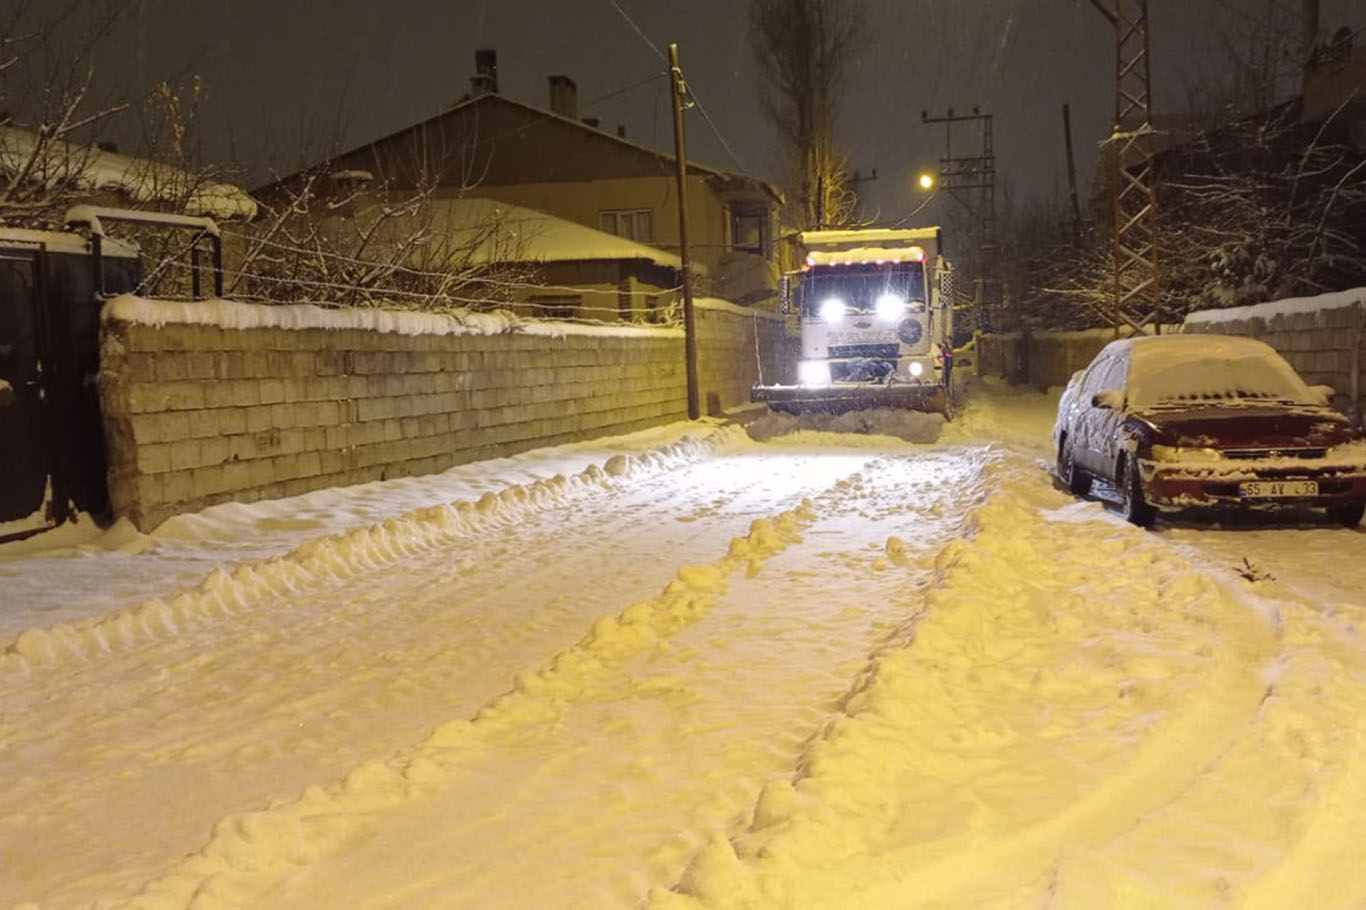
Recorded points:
1073,477
1347,514
1129,485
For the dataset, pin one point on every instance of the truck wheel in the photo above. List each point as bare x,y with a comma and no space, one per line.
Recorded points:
1129,484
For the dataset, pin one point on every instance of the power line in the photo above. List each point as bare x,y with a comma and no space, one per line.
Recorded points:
642,35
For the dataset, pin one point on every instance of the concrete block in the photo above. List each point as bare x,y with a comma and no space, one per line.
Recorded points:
184,455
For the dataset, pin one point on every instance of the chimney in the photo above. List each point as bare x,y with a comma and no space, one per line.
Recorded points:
485,78
1310,30
621,130
564,96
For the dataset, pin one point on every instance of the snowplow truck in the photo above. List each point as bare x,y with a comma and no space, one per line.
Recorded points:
874,326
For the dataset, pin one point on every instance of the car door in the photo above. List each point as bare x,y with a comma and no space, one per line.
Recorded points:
1084,418
1108,421
25,441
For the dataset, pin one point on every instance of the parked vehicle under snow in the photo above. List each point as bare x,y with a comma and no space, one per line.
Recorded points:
1179,421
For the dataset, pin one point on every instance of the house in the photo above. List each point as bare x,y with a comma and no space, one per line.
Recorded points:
552,161
580,273
69,173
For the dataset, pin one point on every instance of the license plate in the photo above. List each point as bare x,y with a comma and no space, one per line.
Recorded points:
1271,489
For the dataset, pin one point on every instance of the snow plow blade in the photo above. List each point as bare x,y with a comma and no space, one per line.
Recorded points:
837,399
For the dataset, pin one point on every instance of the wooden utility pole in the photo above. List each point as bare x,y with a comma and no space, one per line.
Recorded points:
679,89
1071,173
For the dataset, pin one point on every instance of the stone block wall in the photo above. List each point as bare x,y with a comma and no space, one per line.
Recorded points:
197,414
1324,344
1039,359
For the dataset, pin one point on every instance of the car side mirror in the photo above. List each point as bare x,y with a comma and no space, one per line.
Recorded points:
1324,393
1108,400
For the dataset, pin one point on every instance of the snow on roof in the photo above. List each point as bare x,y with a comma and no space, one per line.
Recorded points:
141,179
510,233
1196,367
1286,307
64,242
866,254
866,236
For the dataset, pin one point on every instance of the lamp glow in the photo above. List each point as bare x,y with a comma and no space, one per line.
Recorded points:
813,373
917,368
890,307
927,181
832,310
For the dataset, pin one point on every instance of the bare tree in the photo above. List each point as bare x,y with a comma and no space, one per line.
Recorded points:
47,98
804,48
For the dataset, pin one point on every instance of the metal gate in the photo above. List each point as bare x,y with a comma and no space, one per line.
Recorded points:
26,445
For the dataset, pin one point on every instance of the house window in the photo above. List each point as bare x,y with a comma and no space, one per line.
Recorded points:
635,224
749,231
555,306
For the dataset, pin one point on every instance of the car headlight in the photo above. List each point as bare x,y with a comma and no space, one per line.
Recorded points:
813,372
890,307
832,310
1186,453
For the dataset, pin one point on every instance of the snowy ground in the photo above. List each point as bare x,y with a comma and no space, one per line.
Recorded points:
688,669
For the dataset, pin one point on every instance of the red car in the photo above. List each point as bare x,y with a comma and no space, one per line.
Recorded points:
1176,421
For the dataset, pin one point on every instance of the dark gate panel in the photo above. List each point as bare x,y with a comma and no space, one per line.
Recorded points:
26,446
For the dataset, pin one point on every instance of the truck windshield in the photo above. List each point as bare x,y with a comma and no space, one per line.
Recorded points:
859,286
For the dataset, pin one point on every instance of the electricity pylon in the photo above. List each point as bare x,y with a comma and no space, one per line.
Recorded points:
1135,298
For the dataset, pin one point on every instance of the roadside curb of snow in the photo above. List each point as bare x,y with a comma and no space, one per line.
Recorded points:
250,854
225,593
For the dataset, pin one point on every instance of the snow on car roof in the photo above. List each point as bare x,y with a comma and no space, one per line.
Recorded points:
1187,368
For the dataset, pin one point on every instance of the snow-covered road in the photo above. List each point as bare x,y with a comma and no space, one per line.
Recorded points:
825,671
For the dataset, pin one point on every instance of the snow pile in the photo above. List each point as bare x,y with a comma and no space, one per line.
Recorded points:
911,426
1059,735
225,593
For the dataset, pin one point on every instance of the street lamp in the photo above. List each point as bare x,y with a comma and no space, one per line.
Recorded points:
926,181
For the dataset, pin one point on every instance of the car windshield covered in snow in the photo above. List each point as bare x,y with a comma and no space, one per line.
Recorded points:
1192,370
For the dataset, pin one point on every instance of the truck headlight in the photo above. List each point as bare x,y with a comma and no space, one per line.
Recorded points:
890,307
917,368
832,310
814,372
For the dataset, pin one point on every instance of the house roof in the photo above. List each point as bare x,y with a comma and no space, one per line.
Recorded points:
501,232
534,116
142,180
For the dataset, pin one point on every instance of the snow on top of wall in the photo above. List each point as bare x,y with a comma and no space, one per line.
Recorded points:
1334,301
510,233
232,314
142,180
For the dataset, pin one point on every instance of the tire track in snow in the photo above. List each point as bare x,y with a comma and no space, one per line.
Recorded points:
1039,711
275,845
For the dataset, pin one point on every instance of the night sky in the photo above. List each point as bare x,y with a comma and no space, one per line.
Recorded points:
288,81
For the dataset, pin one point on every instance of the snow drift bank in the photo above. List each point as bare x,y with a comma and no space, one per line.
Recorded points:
225,593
